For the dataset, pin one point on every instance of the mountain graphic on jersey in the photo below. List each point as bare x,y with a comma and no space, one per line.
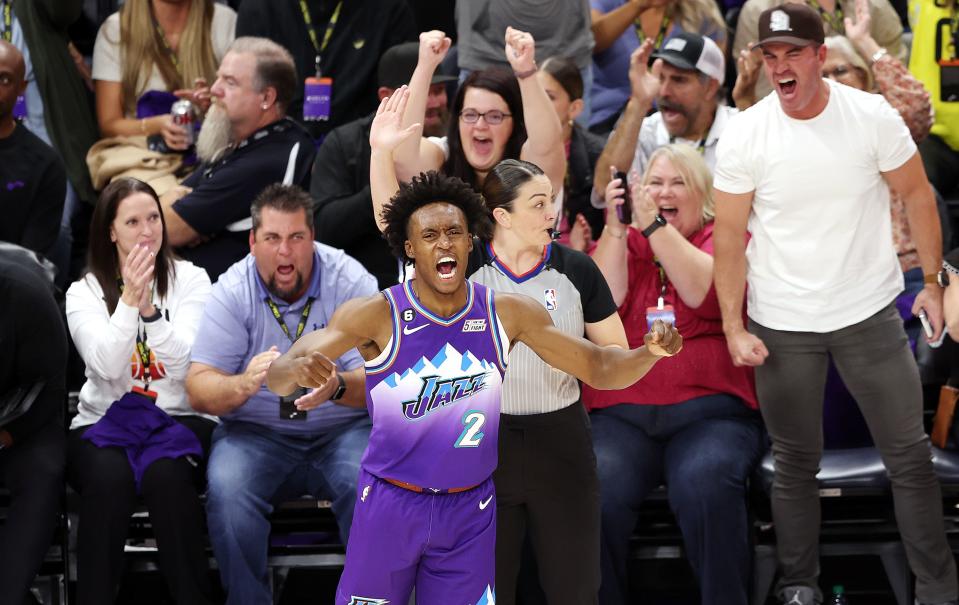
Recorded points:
434,393
445,379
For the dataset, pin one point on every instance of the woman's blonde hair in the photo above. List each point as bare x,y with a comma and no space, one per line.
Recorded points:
843,46
687,160
692,15
142,48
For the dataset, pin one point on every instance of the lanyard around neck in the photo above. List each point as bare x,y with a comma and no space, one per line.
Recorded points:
318,46
833,20
7,20
663,28
279,318
142,348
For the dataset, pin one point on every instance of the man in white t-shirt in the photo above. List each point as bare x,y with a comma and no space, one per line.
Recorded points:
684,83
808,171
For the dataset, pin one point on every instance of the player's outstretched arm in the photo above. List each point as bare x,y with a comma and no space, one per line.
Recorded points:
599,367
309,362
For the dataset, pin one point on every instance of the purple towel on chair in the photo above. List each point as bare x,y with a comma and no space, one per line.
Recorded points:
155,103
144,431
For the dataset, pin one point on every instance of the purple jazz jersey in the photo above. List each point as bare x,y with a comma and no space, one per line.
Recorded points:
443,544
434,393
434,397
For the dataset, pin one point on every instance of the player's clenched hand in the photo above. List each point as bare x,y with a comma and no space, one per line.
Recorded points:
663,339
746,349
314,370
319,395
255,372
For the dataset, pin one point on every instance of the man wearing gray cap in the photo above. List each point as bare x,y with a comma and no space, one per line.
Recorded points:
808,171
341,172
684,83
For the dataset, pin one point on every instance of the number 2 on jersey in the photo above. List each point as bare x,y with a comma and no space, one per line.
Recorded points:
471,436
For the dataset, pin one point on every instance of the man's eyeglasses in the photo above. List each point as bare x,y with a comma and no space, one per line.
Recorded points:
492,117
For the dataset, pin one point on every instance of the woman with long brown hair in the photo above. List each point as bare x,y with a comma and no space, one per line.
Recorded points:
133,317
166,45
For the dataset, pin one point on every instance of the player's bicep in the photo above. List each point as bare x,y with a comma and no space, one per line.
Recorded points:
527,322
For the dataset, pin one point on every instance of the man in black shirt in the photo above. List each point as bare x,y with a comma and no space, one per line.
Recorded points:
358,34
33,359
32,178
341,173
247,142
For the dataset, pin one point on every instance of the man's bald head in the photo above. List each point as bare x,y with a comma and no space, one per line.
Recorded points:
12,71
12,60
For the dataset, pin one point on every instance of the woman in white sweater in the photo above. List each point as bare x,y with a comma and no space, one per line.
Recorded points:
133,317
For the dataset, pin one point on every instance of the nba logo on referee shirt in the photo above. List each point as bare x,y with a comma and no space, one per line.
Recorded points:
549,297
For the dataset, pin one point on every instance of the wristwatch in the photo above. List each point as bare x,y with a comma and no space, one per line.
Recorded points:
658,222
340,390
942,278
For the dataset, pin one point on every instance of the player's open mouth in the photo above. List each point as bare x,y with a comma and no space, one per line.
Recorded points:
446,268
787,85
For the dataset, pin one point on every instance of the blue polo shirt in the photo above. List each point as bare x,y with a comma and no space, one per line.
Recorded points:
238,325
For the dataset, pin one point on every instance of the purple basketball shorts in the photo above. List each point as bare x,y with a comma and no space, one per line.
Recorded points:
442,544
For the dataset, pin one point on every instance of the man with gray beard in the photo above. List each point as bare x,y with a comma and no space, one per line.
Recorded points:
247,142
684,83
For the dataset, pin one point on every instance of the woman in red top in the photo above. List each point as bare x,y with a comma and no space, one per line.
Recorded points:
691,422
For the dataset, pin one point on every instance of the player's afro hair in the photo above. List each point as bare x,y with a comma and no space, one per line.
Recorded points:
428,188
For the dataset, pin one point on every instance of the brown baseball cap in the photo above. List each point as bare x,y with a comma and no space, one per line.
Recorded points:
789,23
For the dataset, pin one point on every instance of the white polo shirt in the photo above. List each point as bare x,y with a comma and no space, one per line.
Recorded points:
821,255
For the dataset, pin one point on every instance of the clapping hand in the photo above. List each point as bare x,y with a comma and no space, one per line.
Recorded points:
644,81
255,373
859,31
137,274
386,132
747,74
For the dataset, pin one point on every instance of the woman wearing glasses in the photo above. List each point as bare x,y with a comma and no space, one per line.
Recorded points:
546,484
500,115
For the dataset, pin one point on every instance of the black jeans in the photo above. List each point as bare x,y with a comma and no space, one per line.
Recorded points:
875,362
33,472
108,496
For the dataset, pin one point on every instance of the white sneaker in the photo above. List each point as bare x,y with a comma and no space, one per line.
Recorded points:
798,595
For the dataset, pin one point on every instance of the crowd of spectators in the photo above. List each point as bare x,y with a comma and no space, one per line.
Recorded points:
173,255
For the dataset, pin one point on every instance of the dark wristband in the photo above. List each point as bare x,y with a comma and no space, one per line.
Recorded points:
658,222
340,390
156,316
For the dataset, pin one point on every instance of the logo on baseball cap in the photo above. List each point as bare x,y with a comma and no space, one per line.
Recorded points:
694,52
795,24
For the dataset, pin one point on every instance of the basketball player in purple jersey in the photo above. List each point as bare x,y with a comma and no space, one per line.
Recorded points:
436,349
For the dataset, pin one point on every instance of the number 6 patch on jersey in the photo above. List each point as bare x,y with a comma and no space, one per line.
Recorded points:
471,436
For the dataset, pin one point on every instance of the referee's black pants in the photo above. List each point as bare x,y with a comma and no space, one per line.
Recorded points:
546,487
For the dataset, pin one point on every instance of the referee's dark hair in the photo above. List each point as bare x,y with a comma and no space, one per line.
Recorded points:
284,198
502,184
428,188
